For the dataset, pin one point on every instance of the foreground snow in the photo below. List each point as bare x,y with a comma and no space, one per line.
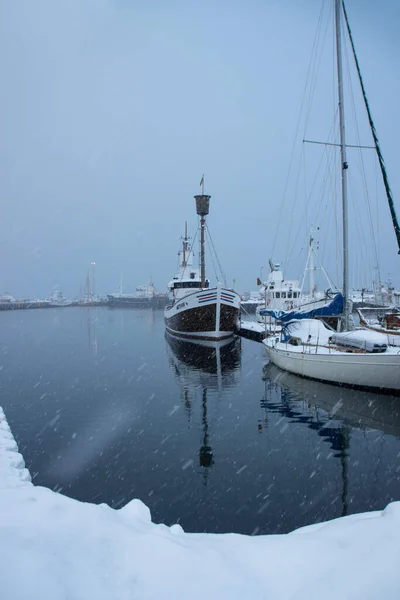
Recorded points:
53,547
12,466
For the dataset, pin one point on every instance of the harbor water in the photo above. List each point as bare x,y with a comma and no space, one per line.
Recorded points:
105,408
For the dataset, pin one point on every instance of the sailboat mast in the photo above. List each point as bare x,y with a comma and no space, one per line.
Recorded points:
343,162
312,267
202,207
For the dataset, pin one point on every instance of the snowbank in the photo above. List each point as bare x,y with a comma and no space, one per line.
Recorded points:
12,465
53,547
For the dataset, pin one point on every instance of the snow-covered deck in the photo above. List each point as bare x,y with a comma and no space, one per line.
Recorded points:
53,547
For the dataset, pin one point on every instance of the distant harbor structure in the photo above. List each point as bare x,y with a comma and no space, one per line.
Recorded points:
55,300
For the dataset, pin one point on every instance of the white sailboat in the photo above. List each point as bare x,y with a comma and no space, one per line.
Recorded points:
309,348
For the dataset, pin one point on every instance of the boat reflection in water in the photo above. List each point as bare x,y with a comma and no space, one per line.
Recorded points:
361,409
335,414
204,368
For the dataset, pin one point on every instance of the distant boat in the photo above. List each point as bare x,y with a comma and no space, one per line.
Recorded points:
276,293
7,298
280,294
56,299
145,296
197,311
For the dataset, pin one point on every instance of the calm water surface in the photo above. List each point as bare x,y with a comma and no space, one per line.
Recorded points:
106,408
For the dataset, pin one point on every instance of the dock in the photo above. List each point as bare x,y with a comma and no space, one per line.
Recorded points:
24,304
252,330
157,302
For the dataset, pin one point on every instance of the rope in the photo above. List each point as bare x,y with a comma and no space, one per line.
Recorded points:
362,168
316,37
216,255
213,264
190,250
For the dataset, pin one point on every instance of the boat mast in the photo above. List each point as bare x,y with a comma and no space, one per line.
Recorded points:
88,285
343,162
202,207
184,245
312,267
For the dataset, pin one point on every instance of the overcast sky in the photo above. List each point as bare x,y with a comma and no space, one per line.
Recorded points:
111,110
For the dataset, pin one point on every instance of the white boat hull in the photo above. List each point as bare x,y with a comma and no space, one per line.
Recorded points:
380,371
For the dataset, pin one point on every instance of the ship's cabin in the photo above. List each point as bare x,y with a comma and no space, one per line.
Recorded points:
193,281
285,295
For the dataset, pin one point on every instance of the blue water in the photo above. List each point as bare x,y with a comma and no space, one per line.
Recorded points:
105,408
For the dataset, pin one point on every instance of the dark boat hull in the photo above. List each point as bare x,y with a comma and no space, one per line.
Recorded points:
205,315
158,301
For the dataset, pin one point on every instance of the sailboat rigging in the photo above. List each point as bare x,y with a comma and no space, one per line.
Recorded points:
375,136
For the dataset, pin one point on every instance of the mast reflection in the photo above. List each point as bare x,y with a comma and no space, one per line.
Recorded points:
208,367
359,408
89,317
331,411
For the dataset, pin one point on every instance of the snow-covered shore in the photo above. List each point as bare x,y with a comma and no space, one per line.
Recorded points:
53,548
13,473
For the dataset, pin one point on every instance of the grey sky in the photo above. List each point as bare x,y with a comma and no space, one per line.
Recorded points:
111,110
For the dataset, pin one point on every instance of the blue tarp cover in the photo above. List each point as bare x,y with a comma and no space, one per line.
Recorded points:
331,309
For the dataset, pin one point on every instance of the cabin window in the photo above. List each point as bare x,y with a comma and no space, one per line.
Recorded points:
283,294
192,275
289,294
278,294
294,294
189,284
